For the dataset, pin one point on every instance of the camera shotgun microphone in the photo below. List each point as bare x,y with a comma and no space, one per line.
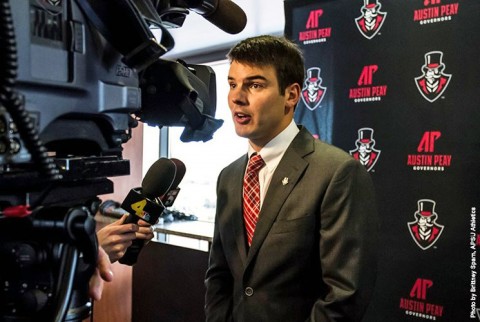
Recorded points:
224,14
162,177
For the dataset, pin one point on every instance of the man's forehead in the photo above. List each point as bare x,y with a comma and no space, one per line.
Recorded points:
251,71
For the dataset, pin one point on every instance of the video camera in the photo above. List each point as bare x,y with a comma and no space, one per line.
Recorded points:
75,77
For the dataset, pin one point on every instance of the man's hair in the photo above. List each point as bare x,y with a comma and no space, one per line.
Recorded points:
279,52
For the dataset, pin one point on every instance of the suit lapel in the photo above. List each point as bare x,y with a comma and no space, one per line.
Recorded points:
238,231
284,179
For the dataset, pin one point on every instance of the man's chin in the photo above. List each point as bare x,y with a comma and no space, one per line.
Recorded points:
242,132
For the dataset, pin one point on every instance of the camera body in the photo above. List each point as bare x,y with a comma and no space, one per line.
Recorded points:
72,87
74,84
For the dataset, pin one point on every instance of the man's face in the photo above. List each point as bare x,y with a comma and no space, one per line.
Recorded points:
312,86
424,221
432,73
258,110
364,147
371,12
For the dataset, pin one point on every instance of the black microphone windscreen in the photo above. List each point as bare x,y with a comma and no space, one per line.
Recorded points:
228,16
181,169
159,178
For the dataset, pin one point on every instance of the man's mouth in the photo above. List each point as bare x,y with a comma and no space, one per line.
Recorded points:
241,115
242,118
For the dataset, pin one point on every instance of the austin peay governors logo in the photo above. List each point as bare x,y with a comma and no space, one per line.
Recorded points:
313,33
367,91
426,159
371,20
365,153
434,81
416,304
424,230
313,92
433,11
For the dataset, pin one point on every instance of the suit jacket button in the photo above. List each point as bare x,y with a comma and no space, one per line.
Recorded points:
249,291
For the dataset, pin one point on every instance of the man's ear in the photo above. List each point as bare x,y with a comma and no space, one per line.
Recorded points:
292,95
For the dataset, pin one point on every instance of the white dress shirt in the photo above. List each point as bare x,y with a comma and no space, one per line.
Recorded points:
272,153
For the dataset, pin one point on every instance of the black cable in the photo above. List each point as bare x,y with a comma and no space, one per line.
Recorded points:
11,100
66,276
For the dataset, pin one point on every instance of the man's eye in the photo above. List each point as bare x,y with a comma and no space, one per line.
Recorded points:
232,85
255,86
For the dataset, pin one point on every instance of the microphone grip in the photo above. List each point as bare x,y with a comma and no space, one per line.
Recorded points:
131,255
131,219
139,207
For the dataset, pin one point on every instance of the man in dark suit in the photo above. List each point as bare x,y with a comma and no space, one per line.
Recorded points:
313,252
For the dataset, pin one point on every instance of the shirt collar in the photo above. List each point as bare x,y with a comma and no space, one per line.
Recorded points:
273,151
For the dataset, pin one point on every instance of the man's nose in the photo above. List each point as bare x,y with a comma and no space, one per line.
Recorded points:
238,96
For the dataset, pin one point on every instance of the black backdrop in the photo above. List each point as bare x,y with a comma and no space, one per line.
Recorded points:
369,81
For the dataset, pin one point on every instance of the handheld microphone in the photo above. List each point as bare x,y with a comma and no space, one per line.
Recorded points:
141,203
224,14
112,208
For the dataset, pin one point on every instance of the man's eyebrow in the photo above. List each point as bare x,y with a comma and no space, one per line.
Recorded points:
251,78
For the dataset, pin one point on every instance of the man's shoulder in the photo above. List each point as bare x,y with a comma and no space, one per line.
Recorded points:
324,148
235,165
321,149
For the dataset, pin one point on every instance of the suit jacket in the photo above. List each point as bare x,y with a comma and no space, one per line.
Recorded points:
313,255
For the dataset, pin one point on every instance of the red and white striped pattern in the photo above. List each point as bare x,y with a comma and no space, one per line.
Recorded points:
251,195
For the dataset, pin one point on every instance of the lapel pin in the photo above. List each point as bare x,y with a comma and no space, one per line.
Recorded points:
285,181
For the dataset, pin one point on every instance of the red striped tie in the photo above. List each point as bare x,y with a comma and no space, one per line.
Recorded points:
251,195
